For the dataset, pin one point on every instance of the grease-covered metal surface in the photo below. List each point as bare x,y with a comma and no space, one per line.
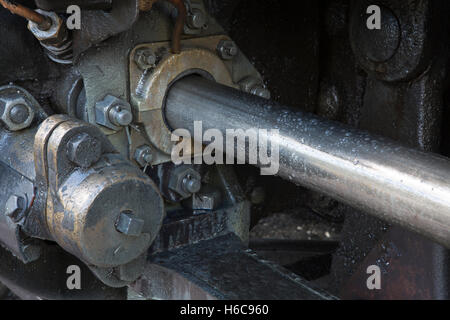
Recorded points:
399,184
221,268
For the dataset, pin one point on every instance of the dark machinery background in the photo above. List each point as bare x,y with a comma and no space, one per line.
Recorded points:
313,56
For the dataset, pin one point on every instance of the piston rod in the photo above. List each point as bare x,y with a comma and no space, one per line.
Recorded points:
381,177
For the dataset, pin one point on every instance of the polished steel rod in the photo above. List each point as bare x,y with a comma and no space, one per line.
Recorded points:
381,177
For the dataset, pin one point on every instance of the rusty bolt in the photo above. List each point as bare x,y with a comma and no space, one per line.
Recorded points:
227,49
145,58
84,150
14,207
129,225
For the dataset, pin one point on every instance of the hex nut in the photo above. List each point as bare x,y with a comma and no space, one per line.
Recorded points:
227,49
179,181
84,150
15,112
57,33
145,58
143,155
129,225
111,112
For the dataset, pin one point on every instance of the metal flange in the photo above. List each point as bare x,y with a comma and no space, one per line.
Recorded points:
149,87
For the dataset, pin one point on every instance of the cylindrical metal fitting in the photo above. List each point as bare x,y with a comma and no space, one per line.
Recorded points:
381,177
95,229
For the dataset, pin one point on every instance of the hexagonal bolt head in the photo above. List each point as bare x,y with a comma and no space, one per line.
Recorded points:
55,35
227,49
143,155
15,206
196,19
129,225
113,113
15,112
84,150
145,58
185,181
